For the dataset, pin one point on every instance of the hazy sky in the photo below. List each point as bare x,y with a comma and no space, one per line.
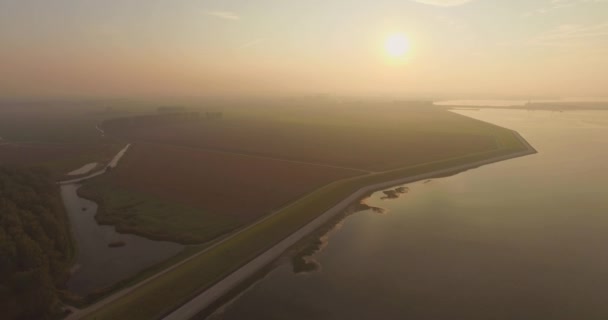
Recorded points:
458,48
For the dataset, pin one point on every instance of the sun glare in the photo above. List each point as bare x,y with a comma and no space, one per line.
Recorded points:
397,45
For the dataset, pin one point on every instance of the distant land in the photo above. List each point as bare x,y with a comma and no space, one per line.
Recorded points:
558,104
229,183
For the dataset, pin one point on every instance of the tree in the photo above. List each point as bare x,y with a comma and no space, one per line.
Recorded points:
34,244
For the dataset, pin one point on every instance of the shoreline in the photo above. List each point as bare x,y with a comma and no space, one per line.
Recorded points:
217,291
110,165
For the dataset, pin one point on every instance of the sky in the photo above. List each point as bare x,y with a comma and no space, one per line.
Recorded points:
197,48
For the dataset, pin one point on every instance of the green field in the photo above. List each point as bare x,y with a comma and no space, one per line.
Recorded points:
170,290
150,216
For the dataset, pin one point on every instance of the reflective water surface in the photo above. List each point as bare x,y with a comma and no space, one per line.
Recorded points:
522,239
97,264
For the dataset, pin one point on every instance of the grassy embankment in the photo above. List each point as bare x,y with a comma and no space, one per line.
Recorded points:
84,301
174,288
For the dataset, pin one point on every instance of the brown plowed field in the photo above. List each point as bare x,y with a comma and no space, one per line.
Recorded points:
374,141
59,158
28,154
219,183
189,174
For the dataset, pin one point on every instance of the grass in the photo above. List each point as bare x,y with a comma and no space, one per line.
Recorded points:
192,196
150,216
102,293
176,287
241,186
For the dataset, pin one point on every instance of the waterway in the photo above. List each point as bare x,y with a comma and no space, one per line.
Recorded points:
514,103
99,265
521,239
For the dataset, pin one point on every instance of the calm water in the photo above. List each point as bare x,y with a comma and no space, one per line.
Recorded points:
482,103
98,265
512,103
521,239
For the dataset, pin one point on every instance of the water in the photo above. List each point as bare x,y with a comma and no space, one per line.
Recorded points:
482,103
97,264
514,103
525,238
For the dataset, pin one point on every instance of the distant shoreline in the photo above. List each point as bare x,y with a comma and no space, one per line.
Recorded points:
549,105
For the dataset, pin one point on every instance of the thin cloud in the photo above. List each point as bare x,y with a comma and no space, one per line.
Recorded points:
444,3
226,15
251,43
572,35
560,4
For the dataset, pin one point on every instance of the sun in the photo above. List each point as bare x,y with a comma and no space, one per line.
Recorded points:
397,45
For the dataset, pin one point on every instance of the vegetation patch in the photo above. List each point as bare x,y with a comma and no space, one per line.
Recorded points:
192,196
35,244
302,254
152,217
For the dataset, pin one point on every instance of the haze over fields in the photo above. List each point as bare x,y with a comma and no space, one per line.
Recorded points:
303,159
417,48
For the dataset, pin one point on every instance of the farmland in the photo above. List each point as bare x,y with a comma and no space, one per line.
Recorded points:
374,139
288,167
60,140
59,158
216,191
233,169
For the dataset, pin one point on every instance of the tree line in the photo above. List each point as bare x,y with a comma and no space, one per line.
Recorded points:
35,244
